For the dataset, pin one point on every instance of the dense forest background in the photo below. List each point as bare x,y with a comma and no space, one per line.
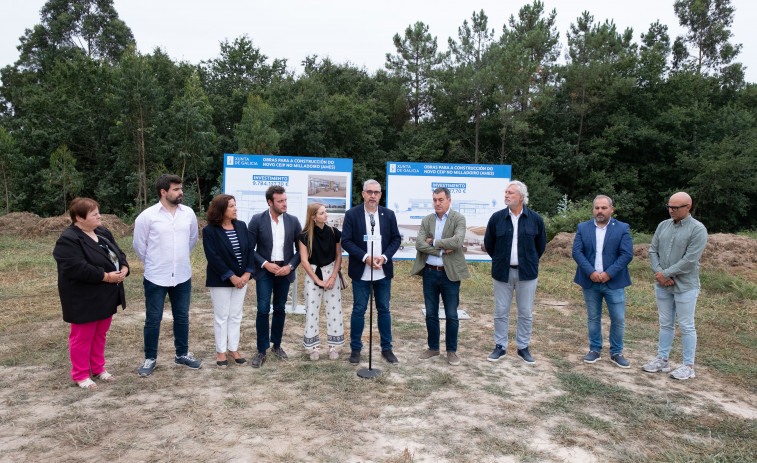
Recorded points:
83,112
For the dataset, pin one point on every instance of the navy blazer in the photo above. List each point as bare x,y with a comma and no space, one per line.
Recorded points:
353,232
617,253
261,237
222,263
532,241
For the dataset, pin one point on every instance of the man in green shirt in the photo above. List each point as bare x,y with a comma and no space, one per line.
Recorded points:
674,256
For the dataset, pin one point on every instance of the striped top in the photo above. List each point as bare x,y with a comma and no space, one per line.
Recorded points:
232,235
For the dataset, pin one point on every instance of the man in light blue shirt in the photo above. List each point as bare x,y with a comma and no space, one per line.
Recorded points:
674,256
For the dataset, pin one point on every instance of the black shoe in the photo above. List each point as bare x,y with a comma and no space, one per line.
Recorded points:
258,360
355,357
389,356
497,353
526,355
222,363
280,352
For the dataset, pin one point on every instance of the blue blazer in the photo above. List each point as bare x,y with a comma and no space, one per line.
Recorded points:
352,239
617,253
261,238
222,263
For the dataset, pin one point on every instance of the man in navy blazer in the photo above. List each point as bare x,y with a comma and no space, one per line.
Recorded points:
366,219
603,248
274,234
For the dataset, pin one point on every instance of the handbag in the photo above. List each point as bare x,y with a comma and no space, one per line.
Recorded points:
342,281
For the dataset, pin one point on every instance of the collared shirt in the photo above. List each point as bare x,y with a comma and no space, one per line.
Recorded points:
163,242
599,235
278,232
514,247
437,260
377,251
675,251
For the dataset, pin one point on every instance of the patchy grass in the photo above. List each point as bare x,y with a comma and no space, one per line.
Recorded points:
299,410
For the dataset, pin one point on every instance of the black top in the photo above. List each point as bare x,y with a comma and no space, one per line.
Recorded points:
324,245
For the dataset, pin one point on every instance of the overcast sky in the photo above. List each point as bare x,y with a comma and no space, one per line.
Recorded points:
346,30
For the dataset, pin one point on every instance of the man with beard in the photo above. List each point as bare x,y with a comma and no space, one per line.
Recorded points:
274,234
515,239
164,236
603,248
371,219
677,246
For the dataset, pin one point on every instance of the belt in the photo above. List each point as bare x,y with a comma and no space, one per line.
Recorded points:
279,262
514,266
439,268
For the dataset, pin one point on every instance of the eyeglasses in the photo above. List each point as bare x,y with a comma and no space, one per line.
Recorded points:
372,192
674,208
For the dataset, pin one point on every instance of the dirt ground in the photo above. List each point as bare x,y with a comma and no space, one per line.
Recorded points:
297,410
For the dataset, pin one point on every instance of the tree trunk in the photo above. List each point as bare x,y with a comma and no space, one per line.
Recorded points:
7,198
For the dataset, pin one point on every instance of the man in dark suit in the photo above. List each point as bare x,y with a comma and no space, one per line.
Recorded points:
274,234
371,219
603,248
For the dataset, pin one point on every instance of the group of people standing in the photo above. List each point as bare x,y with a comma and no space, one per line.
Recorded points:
91,270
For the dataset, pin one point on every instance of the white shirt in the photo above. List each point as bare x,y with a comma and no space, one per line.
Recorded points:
438,230
514,250
278,232
163,243
377,251
599,235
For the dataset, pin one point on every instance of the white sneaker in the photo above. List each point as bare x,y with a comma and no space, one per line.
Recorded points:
656,365
683,372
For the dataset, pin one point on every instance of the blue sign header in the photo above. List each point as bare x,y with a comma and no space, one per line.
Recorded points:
448,170
257,161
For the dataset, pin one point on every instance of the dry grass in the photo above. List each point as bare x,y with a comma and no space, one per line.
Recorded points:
298,410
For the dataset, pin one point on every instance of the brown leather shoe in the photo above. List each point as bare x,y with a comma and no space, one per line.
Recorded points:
428,353
258,360
453,359
280,352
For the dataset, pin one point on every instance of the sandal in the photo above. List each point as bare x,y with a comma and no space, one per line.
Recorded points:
238,360
87,384
105,376
314,354
333,354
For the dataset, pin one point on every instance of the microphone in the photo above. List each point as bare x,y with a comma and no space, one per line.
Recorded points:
373,222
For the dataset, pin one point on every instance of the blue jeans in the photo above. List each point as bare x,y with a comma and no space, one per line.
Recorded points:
670,305
266,286
436,283
524,290
616,307
155,298
361,291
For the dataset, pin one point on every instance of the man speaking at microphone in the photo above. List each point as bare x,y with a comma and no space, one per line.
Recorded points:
371,269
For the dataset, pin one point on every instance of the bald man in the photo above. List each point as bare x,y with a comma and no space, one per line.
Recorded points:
674,256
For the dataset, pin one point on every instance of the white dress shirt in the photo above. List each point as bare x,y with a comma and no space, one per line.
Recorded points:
599,235
438,230
377,251
278,233
163,242
514,250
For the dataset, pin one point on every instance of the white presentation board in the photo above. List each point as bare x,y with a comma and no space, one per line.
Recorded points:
477,190
306,180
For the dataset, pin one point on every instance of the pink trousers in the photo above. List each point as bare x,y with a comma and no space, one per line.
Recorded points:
86,345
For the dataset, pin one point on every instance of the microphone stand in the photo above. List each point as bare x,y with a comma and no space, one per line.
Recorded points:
370,372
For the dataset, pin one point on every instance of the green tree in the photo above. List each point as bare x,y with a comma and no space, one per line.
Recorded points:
192,136
135,99
9,159
415,63
63,176
472,77
708,23
254,134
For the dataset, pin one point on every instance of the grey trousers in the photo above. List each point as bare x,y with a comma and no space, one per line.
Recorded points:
524,299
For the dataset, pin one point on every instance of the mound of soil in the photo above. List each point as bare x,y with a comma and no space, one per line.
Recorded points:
29,225
723,251
16,223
